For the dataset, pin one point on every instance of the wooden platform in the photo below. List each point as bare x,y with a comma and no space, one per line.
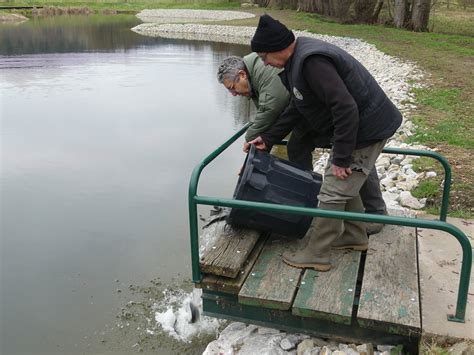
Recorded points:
374,292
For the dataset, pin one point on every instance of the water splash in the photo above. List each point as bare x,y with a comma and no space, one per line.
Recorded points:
178,315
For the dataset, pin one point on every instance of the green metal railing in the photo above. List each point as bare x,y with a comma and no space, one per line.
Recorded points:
441,224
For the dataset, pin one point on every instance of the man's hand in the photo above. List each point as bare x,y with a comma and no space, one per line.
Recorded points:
258,142
341,173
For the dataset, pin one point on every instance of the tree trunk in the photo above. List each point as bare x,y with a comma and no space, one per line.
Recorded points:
378,8
340,9
420,15
318,6
400,13
364,10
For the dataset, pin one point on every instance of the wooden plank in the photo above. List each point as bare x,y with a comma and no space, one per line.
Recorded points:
329,295
227,256
390,296
271,283
229,285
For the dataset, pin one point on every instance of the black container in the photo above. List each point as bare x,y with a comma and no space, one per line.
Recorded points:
266,178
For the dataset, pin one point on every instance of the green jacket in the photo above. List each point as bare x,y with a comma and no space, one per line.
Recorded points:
268,94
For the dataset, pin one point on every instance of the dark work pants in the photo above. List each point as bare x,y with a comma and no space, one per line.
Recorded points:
300,151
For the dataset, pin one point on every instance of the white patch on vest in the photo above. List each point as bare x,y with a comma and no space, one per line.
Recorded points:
297,93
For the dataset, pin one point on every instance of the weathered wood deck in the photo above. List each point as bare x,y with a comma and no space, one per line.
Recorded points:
372,294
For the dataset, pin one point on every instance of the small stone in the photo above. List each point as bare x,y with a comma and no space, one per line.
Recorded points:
430,174
305,345
407,200
339,352
387,182
384,162
313,351
393,175
365,349
286,344
398,159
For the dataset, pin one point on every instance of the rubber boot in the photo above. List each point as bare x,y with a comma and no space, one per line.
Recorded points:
355,235
321,234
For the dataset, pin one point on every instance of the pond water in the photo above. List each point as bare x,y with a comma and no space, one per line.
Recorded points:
100,130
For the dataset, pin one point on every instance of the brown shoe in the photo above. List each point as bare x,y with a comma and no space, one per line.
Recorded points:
302,260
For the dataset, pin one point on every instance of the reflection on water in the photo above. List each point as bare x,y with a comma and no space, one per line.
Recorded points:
100,130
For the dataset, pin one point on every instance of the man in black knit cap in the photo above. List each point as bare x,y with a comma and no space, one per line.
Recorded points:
334,100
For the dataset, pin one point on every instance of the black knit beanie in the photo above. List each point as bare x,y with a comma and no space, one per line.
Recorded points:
271,35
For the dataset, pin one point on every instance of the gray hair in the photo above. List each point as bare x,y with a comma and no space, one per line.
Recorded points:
229,69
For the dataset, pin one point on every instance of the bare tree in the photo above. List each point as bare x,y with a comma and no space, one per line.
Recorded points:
364,10
420,15
377,10
400,13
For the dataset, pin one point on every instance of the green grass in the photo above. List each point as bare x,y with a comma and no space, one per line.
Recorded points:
456,213
446,117
423,164
426,188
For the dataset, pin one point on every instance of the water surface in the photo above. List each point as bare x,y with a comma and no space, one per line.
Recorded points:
100,130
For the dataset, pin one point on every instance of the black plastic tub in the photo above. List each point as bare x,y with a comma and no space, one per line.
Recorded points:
266,178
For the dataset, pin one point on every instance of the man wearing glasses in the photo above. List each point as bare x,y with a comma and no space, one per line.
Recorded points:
249,77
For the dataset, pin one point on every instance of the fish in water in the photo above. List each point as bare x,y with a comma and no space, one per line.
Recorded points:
218,214
195,313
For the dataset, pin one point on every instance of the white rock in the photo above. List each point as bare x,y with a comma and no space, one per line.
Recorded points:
407,200
398,159
313,351
407,185
393,190
384,161
393,175
290,341
411,173
365,349
430,174
305,346
389,196
387,182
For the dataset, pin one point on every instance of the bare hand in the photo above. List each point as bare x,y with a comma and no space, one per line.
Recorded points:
341,173
258,142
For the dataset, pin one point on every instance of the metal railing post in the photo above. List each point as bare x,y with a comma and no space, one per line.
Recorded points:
192,204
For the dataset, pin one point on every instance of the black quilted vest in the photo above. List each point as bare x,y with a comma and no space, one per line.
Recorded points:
379,118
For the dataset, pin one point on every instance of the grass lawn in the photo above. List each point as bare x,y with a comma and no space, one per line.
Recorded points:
445,105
